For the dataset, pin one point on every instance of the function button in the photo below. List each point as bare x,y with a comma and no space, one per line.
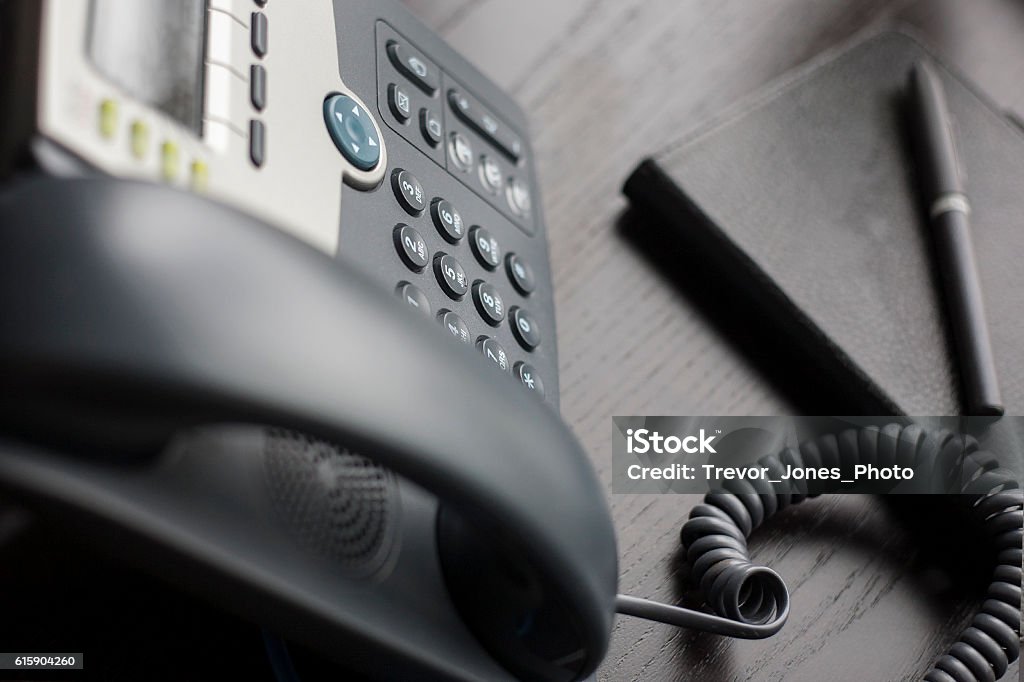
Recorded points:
257,142
486,123
352,131
409,191
461,152
455,326
448,221
431,127
518,195
414,66
411,247
527,376
488,303
491,175
520,274
139,139
524,327
451,276
258,86
485,248
401,105
493,351
169,159
413,297
259,34
108,118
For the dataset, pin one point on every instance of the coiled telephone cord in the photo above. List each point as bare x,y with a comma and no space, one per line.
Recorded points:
715,535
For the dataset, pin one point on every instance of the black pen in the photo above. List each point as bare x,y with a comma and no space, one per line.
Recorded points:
948,211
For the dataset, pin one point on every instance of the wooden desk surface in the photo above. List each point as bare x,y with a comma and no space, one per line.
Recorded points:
605,82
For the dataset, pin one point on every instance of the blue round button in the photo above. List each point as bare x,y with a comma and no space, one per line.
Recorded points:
353,132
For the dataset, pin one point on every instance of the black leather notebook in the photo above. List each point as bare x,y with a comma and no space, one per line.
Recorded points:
805,197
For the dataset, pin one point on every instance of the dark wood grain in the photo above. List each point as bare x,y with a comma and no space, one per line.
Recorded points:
605,82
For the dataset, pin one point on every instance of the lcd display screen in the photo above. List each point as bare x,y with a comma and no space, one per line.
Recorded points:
154,50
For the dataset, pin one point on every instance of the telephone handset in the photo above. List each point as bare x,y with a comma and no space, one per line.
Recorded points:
134,312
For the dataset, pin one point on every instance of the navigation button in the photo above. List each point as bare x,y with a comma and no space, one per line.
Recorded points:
352,131
415,67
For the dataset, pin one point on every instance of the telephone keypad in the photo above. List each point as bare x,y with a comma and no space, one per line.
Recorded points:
464,176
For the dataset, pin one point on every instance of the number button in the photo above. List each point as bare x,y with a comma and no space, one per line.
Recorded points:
527,376
520,274
409,192
525,329
486,248
412,249
488,303
493,351
455,326
448,221
451,276
413,297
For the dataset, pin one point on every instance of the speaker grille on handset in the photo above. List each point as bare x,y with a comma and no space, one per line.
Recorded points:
338,504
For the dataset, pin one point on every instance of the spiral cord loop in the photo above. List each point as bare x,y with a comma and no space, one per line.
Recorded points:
715,535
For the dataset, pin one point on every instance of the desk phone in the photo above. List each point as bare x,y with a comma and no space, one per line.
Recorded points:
348,125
